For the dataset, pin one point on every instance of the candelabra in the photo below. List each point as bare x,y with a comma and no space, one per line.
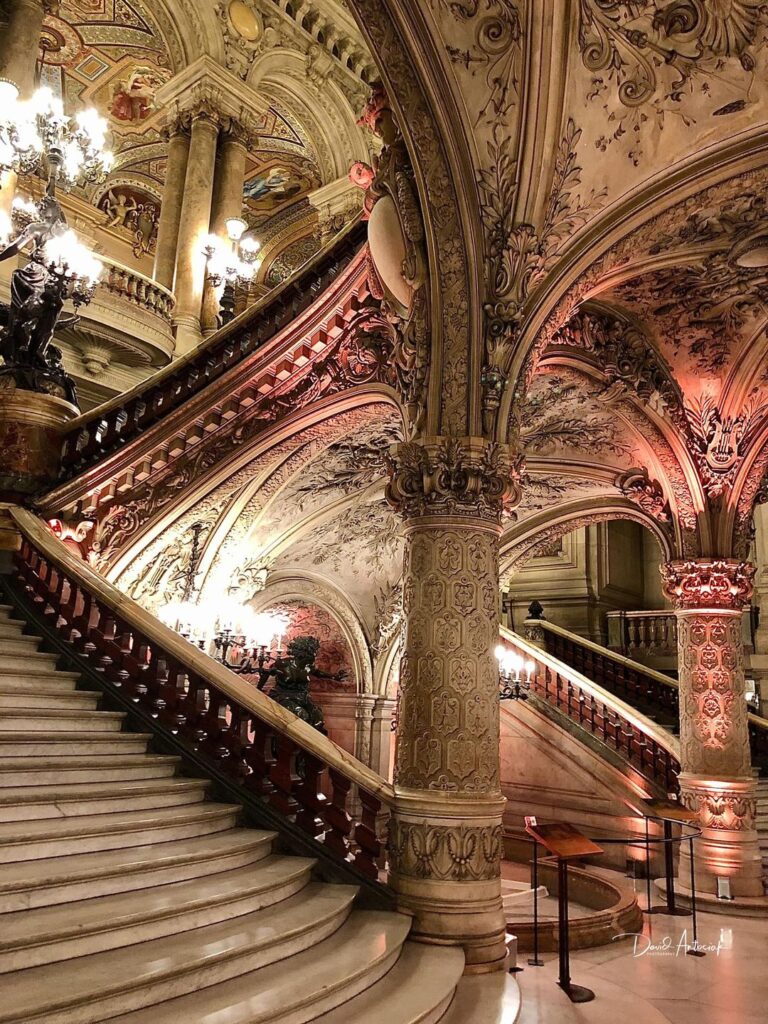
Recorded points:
231,264
515,674
36,133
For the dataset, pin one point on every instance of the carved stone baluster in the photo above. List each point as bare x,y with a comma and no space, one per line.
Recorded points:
260,758
284,777
369,848
309,795
336,816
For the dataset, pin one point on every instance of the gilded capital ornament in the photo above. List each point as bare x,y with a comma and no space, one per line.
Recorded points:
467,477
717,584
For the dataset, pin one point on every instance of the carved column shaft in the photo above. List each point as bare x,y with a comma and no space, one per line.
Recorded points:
716,778
227,202
446,837
194,225
170,211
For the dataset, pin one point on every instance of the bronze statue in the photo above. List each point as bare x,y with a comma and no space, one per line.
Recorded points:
37,297
292,675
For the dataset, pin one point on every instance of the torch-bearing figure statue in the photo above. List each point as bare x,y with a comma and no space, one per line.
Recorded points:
38,293
292,675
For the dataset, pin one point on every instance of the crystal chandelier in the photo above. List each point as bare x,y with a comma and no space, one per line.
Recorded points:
36,133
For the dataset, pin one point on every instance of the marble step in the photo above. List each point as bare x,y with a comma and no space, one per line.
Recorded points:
30,744
106,983
6,610
52,934
298,989
496,999
42,883
32,663
11,628
19,644
84,722
417,990
38,840
51,679
26,803
39,697
46,771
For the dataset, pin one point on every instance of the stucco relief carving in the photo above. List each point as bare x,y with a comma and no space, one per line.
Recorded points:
657,57
722,810
449,724
461,853
449,476
452,261
708,584
398,265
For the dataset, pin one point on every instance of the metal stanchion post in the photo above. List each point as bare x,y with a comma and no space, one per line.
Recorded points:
576,993
535,961
647,864
695,951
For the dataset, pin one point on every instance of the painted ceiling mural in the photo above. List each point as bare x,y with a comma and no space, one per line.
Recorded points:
114,55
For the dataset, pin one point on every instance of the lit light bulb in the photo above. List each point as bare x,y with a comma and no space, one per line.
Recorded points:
235,227
9,94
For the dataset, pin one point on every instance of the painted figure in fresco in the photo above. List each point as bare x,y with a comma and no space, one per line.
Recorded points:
133,99
34,312
292,675
275,183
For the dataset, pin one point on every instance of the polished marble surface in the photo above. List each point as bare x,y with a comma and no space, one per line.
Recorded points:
651,980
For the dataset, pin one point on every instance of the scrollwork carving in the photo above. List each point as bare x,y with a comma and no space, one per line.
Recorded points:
702,584
461,853
448,476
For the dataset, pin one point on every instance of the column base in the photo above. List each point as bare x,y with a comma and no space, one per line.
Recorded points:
446,870
32,426
728,846
188,334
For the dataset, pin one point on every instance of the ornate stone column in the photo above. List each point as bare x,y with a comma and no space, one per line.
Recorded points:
381,736
173,197
446,836
227,201
194,226
716,778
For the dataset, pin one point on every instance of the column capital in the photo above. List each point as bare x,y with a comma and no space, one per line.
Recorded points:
700,584
465,477
242,130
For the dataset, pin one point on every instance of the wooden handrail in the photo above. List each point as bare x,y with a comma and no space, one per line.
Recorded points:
243,732
658,681
97,433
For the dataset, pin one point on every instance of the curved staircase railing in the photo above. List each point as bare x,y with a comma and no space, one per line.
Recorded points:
652,692
243,735
618,726
102,431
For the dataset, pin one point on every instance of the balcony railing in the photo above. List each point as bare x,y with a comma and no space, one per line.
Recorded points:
649,633
97,434
131,286
244,737
652,692
644,744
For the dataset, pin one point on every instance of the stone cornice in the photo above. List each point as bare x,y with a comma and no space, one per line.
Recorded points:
205,84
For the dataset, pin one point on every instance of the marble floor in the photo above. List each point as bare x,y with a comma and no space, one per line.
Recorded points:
651,980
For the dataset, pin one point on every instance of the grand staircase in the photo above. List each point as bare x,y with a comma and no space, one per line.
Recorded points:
126,895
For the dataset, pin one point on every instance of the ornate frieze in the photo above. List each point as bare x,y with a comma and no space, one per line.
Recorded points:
466,477
702,584
458,853
729,810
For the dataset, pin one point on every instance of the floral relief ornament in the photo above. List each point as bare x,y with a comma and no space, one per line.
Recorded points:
725,584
